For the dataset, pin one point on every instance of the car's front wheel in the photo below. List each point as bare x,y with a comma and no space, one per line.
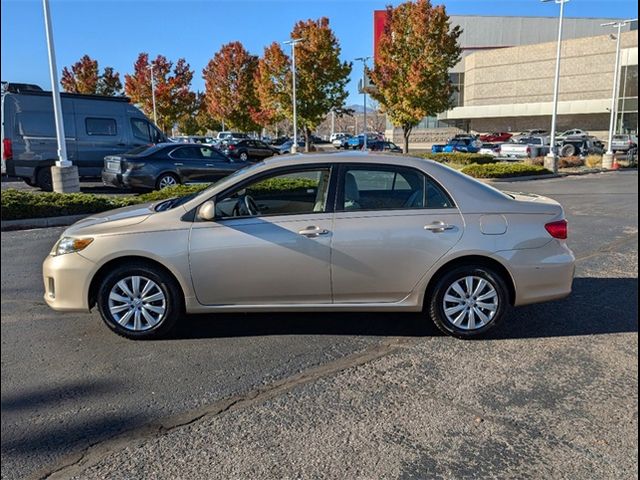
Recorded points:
468,301
138,301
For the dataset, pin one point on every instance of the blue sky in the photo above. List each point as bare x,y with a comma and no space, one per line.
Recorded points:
115,31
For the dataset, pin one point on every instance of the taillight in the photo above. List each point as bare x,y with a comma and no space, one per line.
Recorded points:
528,150
557,229
7,149
231,147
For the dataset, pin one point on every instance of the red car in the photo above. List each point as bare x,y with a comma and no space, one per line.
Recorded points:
496,137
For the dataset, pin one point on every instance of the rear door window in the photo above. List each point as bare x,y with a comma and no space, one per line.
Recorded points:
185,153
101,126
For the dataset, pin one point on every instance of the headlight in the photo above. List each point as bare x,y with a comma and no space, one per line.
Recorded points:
70,245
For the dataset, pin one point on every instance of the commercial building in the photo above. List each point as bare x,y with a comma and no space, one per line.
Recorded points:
505,77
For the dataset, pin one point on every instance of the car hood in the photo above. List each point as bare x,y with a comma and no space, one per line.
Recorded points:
112,220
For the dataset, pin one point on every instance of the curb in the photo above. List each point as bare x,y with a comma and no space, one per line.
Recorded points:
27,223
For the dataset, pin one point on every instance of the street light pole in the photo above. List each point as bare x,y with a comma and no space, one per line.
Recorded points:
551,159
293,42
364,93
64,175
608,159
153,95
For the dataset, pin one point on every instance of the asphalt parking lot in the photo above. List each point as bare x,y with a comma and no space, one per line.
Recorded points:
552,393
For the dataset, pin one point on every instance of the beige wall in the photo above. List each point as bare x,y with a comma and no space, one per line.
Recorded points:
525,74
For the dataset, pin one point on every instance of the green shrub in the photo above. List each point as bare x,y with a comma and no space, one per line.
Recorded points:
503,170
459,158
19,204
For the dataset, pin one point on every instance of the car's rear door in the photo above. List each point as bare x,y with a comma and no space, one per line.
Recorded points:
392,223
188,162
215,165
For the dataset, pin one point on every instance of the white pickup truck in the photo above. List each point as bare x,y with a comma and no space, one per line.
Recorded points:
528,147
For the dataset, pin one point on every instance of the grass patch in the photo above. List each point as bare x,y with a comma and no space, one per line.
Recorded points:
504,170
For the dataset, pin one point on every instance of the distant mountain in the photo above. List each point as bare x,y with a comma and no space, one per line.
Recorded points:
359,108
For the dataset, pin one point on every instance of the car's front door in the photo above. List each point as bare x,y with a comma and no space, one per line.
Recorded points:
391,225
270,243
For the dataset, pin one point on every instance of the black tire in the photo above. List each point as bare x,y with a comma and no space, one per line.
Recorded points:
173,300
43,179
28,181
436,301
568,150
160,181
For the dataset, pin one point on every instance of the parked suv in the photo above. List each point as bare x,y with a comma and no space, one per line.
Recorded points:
625,143
95,126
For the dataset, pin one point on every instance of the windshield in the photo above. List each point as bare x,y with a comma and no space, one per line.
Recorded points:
176,202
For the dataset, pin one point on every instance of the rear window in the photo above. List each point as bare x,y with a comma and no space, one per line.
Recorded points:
101,126
144,150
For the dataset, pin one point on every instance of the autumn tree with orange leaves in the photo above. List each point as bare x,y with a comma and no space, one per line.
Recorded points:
84,77
272,81
174,97
229,87
416,50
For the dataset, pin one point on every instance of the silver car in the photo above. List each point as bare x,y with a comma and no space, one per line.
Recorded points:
342,232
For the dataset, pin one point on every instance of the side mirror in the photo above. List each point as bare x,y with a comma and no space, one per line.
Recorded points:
207,211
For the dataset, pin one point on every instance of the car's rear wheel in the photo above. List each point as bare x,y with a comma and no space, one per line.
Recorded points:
468,301
44,180
167,180
244,156
568,150
139,302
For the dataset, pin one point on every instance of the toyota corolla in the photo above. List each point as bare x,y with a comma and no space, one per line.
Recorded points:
342,232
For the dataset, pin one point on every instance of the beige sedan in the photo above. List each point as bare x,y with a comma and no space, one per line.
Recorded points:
342,232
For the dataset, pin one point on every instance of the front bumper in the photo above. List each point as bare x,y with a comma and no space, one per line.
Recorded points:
66,281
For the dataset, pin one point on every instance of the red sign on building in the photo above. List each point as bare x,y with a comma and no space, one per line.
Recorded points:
379,19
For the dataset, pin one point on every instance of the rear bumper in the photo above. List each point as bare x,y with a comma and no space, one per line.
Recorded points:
127,180
66,282
541,274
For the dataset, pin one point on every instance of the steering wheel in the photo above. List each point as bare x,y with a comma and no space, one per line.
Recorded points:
245,206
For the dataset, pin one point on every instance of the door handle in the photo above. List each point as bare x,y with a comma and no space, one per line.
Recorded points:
437,227
312,231
178,164
209,165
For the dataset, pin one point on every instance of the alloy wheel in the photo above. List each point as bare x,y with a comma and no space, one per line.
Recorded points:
167,181
470,303
137,303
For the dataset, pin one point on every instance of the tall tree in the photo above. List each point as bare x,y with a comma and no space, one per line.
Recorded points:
84,77
415,52
229,87
173,94
197,121
321,77
272,82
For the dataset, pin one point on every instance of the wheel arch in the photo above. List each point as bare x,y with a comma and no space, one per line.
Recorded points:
480,260
104,270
